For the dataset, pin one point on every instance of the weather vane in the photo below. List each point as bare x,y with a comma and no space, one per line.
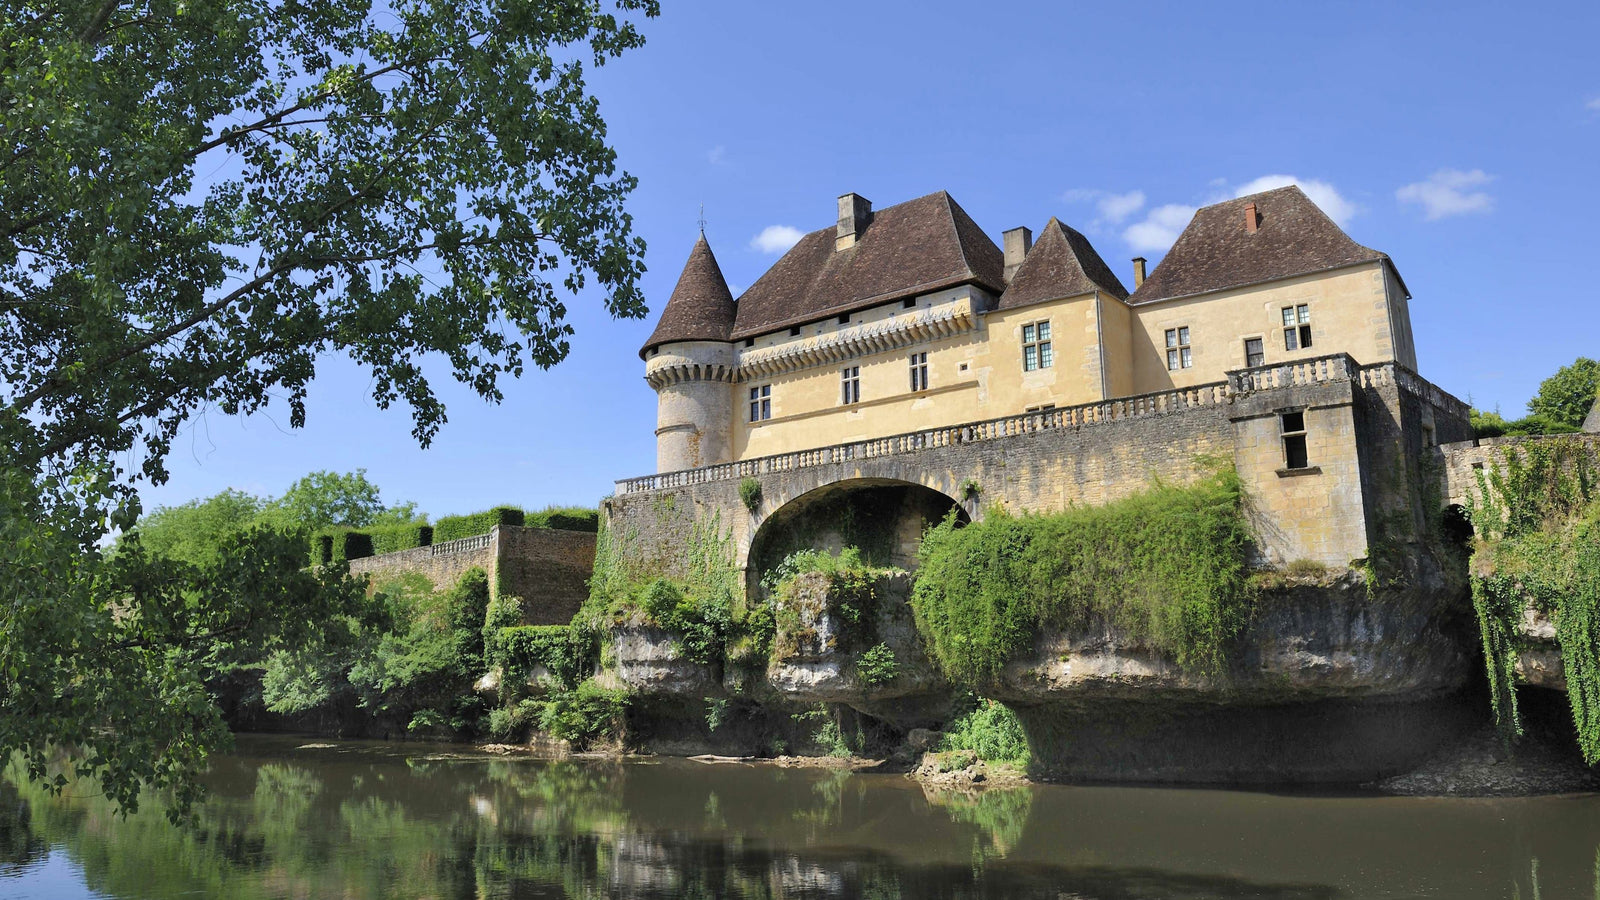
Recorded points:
702,218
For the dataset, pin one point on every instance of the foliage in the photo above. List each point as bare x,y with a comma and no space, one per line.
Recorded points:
750,494
585,715
990,731
450,528
1566,397
194,532
564,518
877,665
336,545
1537,514
848,594
716,712
1492,425
1167,567
970,489
394,538
569,653
326,499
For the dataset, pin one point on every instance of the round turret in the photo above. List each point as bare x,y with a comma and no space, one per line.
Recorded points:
690,362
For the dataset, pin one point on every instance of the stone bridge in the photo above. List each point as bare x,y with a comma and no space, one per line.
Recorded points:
1368,431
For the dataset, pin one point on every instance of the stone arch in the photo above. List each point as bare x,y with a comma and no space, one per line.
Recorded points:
884,517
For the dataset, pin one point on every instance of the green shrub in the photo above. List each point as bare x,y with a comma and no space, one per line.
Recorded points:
564,518
750,494
991,731
452,528
337,545
394,538
700,623
568,652
1167,567
877,665
585,715
852,586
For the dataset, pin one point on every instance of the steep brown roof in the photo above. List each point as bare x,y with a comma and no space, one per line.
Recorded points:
1294,237
911,248
701,306
1061,263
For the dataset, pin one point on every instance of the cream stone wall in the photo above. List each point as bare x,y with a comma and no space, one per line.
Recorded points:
972,376
693,417
1116,334
1350,313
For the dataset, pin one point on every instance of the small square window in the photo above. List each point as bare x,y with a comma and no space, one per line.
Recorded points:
795,331
844,319
909,303
749,342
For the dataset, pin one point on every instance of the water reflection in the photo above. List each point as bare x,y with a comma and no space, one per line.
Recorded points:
377,821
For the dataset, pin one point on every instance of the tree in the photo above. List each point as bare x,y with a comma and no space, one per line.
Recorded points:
321,499
1567,396
199,199
195,532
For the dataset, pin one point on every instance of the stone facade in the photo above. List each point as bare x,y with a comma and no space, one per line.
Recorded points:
547,568
1366,428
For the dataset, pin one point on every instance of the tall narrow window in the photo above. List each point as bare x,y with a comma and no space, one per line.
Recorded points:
1036,353
761,403
1297,327
1293,427
1253,356
919,372
850,385
1179,356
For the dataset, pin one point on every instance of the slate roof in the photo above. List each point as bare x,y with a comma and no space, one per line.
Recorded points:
1061,263
922,245
701,306
1294,237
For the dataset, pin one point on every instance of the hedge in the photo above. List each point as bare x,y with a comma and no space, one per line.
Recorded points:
393,538
335,545
450,528
570,518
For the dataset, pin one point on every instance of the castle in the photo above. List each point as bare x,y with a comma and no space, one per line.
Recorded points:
903,349
911,317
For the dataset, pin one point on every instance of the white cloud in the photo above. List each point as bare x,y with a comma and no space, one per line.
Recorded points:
1321,193
717,155
1593,105
1160,227
776,238
1449,192
1117,207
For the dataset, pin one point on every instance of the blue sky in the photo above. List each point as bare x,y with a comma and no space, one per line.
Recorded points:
1462,140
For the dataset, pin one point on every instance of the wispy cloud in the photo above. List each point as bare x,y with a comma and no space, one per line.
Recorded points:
776,239
1593,105
1449,192
1323,194
1159,228
717,155
1114,209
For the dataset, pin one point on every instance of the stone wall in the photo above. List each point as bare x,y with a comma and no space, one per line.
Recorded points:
546,567
1366,431
1464,460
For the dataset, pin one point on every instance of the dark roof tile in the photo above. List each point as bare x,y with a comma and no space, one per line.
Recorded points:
1294,237
1061,263
701,307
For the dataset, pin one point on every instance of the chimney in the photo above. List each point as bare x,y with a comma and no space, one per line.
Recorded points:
1018,242
1138,272
855,211
1251,220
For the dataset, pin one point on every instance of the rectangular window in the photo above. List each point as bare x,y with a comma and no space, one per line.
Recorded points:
919,372
844,319
1036,352
1252,353
749,342
909,303
1297,327
1293,427
795,331
1179,356
761,403
850,385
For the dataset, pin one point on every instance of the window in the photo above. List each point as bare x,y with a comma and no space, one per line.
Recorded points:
761,403
1252,352
919,372
795,331
844,319
1293,426
909,303
1297,327
1036,346
1179,355
850,385
749,342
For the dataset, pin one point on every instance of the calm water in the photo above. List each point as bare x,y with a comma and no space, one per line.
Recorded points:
362,820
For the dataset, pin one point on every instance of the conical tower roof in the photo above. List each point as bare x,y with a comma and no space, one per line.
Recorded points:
701,306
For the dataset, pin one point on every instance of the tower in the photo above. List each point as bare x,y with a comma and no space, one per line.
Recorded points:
689,360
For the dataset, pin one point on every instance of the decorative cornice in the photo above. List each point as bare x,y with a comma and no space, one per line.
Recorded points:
661,373
940,321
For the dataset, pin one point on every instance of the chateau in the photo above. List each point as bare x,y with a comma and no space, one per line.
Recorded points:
911,317
901,360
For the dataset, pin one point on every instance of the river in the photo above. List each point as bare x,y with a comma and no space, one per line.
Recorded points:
297,818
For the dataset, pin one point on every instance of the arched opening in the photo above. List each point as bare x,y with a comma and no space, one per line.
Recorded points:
883,518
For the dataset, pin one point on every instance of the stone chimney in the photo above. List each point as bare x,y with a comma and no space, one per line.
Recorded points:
1018,242
1251,220
1138,272
855,211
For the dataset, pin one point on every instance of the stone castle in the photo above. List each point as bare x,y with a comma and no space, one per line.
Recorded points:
902,348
